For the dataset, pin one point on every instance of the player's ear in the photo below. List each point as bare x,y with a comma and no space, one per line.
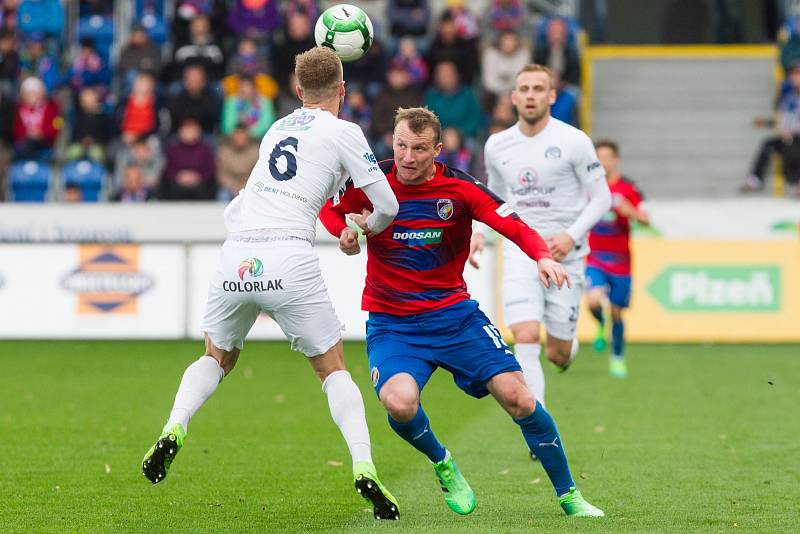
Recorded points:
341,89
438,149
299,92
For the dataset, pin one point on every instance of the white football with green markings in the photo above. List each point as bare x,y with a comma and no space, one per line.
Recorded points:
345,29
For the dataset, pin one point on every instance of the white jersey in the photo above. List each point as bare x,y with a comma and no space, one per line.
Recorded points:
545,178
304,159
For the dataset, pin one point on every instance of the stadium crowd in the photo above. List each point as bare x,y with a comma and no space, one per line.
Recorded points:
173,105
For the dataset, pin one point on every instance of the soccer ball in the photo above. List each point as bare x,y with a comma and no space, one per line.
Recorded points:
346,30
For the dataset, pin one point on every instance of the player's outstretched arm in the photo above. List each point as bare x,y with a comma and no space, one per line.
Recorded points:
384,204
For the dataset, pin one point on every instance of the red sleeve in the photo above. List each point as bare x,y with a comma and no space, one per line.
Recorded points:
493,211
350,200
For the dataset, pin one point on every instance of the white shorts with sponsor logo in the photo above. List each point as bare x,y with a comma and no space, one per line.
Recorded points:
526,299
281,278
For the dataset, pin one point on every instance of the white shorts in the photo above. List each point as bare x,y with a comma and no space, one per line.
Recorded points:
281,278
526,299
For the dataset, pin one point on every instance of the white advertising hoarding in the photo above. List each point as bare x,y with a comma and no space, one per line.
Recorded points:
92,291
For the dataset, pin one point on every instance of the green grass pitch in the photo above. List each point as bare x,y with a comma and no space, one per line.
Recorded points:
698,438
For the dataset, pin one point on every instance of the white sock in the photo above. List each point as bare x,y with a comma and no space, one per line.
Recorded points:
347,410
199,381
528,358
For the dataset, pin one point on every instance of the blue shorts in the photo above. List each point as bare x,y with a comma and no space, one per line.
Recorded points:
458,338
617,286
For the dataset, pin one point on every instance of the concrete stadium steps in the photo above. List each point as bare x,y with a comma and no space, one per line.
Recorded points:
684,125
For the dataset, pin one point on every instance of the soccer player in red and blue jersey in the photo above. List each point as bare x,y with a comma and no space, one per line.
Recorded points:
608,266
421,316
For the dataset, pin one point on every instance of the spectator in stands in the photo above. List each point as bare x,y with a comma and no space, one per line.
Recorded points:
506,15
139,113
35,61
287,99
565,108
145,153
466,22
790,51
397,93
201,49
454,152
407,18
88,69
236,157
503,111
8,16
296,38
501,63
409,59
195,100
308,8
369,71
140,54
132,187
91,129
95,7
256,19
37,122
558,54
190,173
46,16
9,62
248,108
186,10
785,142
448,46
356,109
248,62
453,102
6,139
72,194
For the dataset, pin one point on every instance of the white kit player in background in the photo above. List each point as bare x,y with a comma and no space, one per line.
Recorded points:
548,172
268,264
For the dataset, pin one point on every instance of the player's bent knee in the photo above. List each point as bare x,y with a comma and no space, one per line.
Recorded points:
225,358
520,403
400,403
526,334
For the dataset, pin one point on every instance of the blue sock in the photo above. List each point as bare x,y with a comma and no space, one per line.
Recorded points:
598,314
617,338
419,434
541,435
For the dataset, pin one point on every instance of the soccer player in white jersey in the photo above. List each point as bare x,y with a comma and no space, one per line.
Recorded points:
549,174
268,264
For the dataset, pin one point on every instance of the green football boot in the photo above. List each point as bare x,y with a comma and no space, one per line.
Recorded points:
600,342
617,367
457,493
157,460
384,505
575,505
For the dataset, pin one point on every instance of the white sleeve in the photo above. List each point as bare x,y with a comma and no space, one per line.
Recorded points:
384,205
357,157
493,181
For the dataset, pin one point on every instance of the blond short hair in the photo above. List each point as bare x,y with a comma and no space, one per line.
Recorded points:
319,73
535,67
419,120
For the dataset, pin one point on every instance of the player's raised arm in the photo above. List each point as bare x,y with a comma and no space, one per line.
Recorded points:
589,171
491,210
366,174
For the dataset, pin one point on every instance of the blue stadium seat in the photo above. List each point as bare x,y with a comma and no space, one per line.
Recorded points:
100,30
88,176
29,181
156,28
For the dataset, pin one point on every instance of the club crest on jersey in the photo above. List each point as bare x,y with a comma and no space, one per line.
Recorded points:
375,375
528,177
444,207
552,152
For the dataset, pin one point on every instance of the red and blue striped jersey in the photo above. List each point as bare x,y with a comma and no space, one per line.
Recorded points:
416,265
609,240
